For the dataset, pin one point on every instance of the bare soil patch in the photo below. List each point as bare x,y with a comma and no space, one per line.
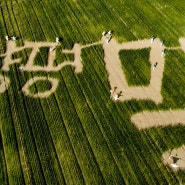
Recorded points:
4,82
175,159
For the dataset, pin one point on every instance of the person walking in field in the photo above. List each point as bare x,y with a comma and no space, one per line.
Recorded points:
163,51
57,39
155,65
162,43
152,38
7,38
13,38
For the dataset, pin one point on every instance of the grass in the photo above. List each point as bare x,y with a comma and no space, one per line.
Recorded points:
78,135
41,58
174,77
136,66
40,86
23,55
62,57
3,170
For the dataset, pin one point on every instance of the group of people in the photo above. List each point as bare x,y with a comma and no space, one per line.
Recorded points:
163,50
174,159
113,95
108,35
15,38
12,38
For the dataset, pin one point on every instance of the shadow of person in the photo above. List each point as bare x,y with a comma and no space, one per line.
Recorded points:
120,94
175,159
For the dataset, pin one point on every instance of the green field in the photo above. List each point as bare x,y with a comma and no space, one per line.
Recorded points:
78,135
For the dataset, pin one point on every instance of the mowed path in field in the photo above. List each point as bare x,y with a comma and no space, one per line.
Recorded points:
144,120
117,78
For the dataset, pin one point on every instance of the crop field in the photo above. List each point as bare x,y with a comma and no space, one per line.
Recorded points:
59,124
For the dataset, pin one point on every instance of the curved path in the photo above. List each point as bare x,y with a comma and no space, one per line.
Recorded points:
53,81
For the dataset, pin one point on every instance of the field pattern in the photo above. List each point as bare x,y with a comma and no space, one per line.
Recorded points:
78,135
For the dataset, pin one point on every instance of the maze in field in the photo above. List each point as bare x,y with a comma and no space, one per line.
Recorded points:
86,111
116,76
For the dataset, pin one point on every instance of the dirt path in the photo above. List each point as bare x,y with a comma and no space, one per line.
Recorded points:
112,61
4,83
53,81
12,48
145,120
175,158
117,77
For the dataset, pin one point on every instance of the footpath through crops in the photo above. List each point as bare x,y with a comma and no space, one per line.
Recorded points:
77,134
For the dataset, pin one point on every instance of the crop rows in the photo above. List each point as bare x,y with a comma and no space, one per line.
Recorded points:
120,136
78,135
136,66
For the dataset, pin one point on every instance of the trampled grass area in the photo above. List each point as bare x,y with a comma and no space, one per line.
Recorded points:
78,135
